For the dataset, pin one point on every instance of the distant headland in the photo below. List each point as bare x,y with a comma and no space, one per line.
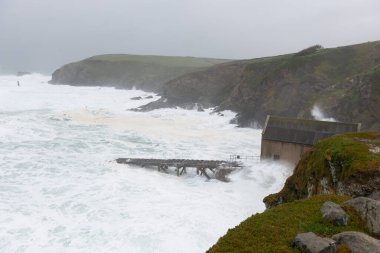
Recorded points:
342,81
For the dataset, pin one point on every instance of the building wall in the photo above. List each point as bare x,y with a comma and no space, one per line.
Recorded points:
283,151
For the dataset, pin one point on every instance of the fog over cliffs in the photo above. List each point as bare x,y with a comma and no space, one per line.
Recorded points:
342,82
43,35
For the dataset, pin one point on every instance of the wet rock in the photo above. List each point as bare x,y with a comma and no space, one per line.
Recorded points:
369,211
334,213
311,243
358,242
158,104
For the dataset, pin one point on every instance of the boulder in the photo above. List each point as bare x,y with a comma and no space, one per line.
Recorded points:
358,242
375,195
334,213
369,211
311,243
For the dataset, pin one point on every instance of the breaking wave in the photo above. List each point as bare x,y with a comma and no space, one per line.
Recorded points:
61,191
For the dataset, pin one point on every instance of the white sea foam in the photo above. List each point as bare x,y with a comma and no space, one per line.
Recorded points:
61,191
317,113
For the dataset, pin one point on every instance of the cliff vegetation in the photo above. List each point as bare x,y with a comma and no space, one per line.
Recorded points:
127,71
274,229
343,82
347,164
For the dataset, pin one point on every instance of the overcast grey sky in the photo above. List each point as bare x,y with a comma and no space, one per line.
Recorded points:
42,35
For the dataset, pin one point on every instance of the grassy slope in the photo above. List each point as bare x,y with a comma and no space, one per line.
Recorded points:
320,78
290,85
127,71
169,61
274,229
350,155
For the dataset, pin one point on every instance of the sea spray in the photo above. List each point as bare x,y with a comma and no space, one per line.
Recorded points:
61,190
317,113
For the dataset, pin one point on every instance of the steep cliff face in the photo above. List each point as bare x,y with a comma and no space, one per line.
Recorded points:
361,102
344,165
344,82
337,80
127,71
211,86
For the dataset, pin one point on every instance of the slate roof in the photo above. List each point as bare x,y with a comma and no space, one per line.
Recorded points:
303,131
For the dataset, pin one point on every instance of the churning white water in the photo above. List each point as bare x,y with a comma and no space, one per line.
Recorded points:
61,191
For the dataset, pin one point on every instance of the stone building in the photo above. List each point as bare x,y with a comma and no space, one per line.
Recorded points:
287,139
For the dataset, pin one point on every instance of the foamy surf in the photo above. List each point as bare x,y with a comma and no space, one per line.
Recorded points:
61,191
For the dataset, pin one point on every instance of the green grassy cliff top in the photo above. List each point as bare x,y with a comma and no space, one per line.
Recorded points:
179,61
274,229
355,158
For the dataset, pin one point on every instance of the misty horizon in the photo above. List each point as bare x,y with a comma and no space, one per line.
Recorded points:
39,36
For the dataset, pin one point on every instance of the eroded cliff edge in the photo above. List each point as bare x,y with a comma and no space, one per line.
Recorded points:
343,82
347,164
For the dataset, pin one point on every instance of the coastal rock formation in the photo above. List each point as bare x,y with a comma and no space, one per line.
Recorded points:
334,213
357,242
369,211
343,165
351,241
343,82
298,224
311,243
148,73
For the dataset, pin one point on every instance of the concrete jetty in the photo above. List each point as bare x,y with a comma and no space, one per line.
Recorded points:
218,169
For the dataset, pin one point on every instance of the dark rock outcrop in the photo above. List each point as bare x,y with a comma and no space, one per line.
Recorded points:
337,80
369,211
311,243
358,242
334,213
343,82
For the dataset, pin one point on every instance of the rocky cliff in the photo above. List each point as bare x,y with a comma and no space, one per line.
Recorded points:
127,71
344,82
346,164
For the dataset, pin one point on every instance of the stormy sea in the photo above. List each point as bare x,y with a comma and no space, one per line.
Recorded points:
62,191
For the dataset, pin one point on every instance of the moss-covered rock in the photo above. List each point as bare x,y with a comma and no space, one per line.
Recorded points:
275,229
346,164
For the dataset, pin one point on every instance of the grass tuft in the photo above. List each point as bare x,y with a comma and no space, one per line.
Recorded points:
275,229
